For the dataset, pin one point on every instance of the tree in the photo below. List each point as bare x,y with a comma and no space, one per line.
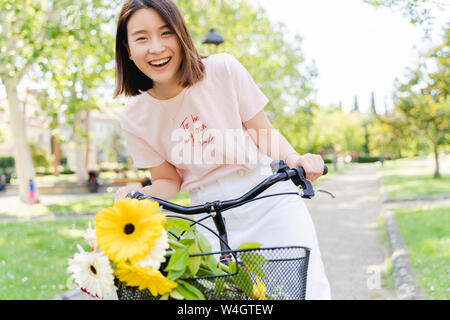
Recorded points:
87,51
425,99
276,64
355,105
31,31
28,30
331,129
372,104
418,11
390,136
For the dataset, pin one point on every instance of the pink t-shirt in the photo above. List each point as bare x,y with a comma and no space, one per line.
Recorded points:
200,130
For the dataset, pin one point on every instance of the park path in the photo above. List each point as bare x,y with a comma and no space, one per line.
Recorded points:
348,233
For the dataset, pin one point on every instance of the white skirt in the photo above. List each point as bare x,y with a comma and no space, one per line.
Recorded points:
274,221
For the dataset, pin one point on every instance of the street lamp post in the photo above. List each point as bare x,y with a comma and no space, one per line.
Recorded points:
213,38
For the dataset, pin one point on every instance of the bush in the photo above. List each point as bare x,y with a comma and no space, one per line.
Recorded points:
66,170
366,159
6,162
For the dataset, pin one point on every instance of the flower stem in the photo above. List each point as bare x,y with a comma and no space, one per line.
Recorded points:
175,243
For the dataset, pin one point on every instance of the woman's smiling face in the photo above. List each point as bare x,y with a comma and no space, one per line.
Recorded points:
154,47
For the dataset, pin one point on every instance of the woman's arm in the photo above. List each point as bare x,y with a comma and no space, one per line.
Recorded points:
271,142
165,184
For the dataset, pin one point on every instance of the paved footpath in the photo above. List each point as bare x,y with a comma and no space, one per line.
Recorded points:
348,235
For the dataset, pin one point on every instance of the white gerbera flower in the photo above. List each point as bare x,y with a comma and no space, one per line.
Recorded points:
92,272
89,236
156,254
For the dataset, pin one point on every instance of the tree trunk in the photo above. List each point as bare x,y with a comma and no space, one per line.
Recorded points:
22,156
80,154
57,155
437,174
87,141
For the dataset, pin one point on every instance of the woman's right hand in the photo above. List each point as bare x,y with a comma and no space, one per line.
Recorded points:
123,191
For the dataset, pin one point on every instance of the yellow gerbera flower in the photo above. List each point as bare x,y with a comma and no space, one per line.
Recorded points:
128,229
145,278
259,290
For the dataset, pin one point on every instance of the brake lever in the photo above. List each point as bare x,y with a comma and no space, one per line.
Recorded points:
300,180
278,166
332,195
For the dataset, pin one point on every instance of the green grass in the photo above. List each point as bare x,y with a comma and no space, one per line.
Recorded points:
426,233
34,255
414,177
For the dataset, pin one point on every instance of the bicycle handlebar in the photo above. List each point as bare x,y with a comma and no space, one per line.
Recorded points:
281,173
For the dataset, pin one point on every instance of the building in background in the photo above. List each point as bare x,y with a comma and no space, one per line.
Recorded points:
105,142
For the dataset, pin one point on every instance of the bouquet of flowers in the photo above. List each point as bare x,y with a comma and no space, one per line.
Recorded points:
133,244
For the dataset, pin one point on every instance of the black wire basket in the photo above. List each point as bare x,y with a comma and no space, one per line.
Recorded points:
277,273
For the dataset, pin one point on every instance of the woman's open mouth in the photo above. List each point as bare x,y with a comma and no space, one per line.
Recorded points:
160,64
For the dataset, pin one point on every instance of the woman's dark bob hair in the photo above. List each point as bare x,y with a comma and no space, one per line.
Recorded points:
129,79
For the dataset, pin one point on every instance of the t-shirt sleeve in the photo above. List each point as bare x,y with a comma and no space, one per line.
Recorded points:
143,155
251,100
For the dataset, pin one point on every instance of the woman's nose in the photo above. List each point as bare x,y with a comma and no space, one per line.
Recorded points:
155,47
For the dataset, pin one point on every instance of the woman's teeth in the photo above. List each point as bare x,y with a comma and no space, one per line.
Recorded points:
159,63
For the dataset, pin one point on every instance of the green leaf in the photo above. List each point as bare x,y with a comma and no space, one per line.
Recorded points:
253,261
179,260
179,224
242,279
187,242
211,262
249,245
189,291
203,243
175,293
194,262
174,275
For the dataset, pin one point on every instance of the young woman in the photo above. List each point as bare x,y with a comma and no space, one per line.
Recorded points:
183,119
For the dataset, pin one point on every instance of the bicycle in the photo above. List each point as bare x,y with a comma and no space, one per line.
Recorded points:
246,266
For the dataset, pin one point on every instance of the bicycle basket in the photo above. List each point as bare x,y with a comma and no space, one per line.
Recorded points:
277,273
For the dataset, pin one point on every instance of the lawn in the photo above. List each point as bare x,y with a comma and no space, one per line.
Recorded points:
426,233
33,257
414,177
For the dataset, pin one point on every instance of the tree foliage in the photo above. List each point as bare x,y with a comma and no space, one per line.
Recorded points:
276,64
422,107
420,12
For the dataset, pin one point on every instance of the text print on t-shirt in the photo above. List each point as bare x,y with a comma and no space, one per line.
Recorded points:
194,129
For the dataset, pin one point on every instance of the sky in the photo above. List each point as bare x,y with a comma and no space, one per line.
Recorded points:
357,48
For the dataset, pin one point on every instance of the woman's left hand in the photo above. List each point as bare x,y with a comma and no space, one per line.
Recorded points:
313,165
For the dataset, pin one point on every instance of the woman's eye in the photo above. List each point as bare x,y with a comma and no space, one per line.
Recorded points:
140,38
167,33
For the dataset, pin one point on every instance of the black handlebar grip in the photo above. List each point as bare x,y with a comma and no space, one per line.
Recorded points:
325,171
